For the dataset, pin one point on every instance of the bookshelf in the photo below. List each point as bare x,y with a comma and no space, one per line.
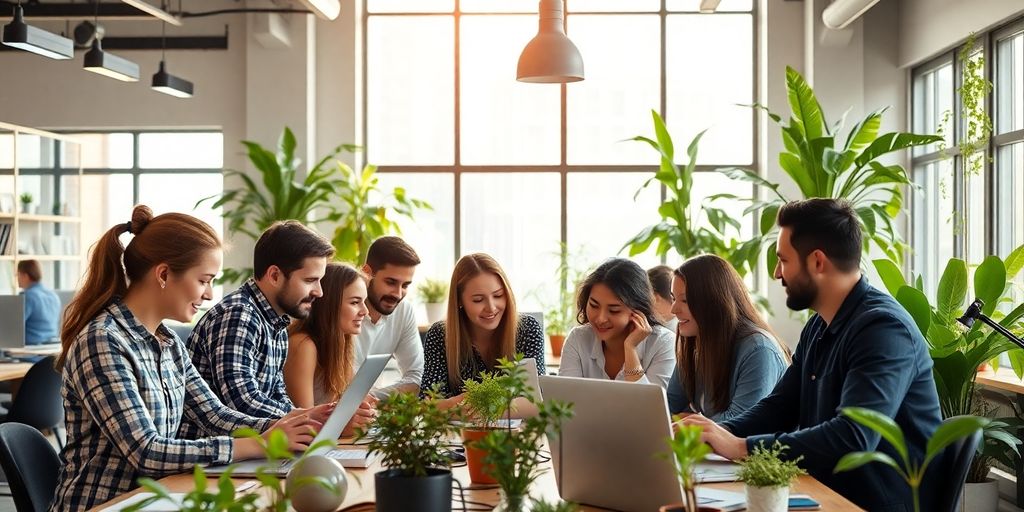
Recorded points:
48,167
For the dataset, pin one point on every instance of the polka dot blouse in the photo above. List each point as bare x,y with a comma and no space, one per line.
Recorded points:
529,342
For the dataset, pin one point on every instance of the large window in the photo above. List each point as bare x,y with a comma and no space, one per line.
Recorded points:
974,208
513,169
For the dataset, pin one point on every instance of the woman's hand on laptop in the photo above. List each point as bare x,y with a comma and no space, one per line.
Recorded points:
365,414
298,427
720,439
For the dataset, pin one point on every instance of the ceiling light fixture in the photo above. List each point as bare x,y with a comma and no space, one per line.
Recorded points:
326,9
108,64
165,82
21,35
154,11
550,57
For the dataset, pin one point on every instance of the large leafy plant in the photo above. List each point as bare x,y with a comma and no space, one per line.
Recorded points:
912,471
681,230
956,351
822,163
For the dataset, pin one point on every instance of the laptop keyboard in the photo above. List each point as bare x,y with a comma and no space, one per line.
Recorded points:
346,454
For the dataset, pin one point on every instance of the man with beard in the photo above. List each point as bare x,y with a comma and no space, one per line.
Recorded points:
860,349
392,329
240,345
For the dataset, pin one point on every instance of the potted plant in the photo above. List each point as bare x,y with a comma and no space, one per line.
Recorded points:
541,505
560,317
26,202
412,438
821,163
768,477
949,431
433,293
958,352
688,450
484,403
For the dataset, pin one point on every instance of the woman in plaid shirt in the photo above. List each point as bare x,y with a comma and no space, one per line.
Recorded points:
128,381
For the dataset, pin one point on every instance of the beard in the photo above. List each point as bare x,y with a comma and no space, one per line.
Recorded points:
801,293
383,304
294,309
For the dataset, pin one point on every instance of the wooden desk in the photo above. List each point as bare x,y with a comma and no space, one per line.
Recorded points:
361,491
13,371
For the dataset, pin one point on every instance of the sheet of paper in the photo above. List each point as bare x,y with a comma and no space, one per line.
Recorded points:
158,506
711,471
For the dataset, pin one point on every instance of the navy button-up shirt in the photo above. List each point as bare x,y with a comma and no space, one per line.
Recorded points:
873,356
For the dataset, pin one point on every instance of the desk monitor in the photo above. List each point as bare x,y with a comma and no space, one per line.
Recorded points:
12,321
613,450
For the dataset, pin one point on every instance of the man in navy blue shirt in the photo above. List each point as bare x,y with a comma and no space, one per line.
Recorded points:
42,306
860,349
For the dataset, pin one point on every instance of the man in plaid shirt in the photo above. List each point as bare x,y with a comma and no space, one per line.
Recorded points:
240,345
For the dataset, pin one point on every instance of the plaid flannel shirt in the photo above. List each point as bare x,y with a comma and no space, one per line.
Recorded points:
125,393
240,347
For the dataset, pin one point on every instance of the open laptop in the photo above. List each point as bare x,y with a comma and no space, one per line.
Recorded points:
618,433
331,431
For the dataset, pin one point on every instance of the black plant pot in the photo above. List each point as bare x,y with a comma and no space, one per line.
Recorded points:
397,492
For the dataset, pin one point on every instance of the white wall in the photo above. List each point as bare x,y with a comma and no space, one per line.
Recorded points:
928,27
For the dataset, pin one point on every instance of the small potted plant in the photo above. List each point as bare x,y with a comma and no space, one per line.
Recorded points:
483,405
768,478
433,292
26,202
412,438
688,450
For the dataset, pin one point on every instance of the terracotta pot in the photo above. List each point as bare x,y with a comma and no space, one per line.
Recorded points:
557,340
478,471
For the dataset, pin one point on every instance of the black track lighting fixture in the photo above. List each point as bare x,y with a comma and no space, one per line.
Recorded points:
106,63
165,82
21,35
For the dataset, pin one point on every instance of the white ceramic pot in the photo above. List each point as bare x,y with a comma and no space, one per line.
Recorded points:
436,311
767,499
311,497
981,497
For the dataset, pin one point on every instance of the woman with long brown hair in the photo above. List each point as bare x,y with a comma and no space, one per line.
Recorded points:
727,356
482,326
128,383
320,348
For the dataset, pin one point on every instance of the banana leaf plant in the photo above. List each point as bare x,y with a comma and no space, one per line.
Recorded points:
821,162
681,229
958,351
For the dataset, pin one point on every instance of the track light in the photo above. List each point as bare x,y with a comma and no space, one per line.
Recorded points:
21,35
169,84
108,64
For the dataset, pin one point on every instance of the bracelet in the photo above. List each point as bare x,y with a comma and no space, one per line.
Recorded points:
635,372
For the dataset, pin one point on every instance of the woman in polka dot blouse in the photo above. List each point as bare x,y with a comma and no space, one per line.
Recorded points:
482,326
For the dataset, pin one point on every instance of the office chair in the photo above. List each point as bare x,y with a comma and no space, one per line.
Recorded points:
958,461
38,402
31,465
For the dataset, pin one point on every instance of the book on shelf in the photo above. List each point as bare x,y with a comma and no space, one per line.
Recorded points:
6,230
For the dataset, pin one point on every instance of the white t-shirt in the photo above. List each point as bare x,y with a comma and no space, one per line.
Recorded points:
395,334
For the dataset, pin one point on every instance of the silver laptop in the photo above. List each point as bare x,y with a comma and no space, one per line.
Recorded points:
12,321
618,433
331,431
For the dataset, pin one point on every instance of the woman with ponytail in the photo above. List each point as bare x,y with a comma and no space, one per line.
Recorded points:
128,383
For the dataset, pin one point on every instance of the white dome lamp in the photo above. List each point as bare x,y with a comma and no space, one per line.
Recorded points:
550,57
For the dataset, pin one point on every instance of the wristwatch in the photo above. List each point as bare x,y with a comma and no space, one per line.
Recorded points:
635,372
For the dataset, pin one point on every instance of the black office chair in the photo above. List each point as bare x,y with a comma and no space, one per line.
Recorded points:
38,402
950,486
31,465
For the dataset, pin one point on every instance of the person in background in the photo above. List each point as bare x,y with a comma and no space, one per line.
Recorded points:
482,326
860,349
127,380
618,337
661,283
392,329
320,347
42,306
727,358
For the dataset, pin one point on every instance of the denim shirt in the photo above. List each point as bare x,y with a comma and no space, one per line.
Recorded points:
42,314
758,364
872,355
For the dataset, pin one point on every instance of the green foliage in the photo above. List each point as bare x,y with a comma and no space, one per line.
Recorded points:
433,291
542,505
560,317
513,456
487,399
912,471
680,229
823,164
222,499
975,121
26,198
688,450
765,467
367,212
412,434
